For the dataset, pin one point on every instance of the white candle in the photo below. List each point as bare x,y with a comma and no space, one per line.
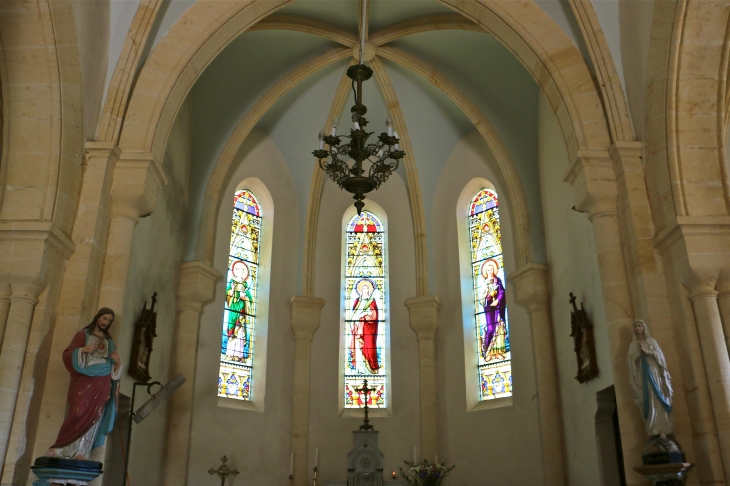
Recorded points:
389,124
436,459
334,126
291,465
414,454
316,457
321,139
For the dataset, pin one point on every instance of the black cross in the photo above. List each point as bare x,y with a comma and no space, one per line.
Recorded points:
366,391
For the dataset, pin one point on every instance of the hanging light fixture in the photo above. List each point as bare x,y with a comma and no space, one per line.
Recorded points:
366,165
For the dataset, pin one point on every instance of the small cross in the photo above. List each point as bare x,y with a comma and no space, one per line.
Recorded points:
366,391
572,300
223,471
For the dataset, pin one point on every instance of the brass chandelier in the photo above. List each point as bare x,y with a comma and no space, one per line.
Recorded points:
358,166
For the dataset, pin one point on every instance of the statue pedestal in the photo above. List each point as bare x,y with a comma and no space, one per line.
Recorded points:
54,470
666,474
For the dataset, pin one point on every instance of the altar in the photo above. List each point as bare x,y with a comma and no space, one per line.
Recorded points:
365,460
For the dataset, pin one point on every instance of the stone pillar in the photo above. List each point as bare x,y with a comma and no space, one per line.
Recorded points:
137,177
22,305
305,316
423,318
717,363
197,285
531,290
4,308
723,301
592,179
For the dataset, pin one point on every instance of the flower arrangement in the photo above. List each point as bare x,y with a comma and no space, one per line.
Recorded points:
425,473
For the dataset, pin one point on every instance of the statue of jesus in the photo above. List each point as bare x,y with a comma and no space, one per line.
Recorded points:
95,369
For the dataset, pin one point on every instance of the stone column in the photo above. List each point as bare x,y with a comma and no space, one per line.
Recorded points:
197,285
305,316
723,301
4,307
531,290
423,318
137,177
592,179
717,363
22,305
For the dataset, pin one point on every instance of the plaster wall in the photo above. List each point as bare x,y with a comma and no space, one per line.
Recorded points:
573,267
92,30
485,440
154,264
399,433
257,443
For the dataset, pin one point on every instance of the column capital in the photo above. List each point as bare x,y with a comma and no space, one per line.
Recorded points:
699,247
305,316
137,178
531,286
423,315
197,283
102,149
592,178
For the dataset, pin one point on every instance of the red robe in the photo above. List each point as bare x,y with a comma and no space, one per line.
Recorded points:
88,396
368,335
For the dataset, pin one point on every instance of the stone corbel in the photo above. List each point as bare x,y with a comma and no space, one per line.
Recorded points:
592,178
137,178
305,316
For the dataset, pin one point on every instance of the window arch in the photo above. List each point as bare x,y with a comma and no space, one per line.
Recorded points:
242,285
365,306
491,328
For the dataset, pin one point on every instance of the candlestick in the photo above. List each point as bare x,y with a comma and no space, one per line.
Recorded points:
394,476
315,476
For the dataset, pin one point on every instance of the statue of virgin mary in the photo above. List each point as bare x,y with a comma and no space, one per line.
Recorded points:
651,382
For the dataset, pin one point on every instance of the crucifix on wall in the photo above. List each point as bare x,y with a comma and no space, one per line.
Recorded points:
581,330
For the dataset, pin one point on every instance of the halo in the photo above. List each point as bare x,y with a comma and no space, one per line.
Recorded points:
361,282
246,271
491,262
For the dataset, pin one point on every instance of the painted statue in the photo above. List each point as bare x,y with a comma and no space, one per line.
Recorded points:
240,303
651,382
492,298
365,326
95,367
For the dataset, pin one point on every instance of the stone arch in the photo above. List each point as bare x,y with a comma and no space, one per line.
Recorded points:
206,29
44,139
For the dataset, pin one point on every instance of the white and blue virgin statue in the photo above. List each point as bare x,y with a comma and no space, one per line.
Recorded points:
651,382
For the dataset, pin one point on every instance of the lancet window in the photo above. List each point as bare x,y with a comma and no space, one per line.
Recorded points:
491,325
365,291
239,315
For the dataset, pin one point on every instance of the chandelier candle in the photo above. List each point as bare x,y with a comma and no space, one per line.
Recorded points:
366,165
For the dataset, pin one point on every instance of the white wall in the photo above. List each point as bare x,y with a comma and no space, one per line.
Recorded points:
328,431
489,447
257,443
154,264
573,267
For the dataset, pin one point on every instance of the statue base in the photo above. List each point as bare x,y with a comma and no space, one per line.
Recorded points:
54,470
666,474
662,451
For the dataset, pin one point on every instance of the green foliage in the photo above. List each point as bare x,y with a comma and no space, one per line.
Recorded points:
425,473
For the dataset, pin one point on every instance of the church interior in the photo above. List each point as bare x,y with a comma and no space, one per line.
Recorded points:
537,289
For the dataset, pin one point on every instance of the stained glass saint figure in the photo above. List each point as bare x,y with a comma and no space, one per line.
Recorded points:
239,316
364,328
494,366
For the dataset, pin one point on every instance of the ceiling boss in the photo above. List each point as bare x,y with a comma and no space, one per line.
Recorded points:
382,156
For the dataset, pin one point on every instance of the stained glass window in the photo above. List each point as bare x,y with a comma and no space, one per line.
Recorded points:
365,291
494,366
239,315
